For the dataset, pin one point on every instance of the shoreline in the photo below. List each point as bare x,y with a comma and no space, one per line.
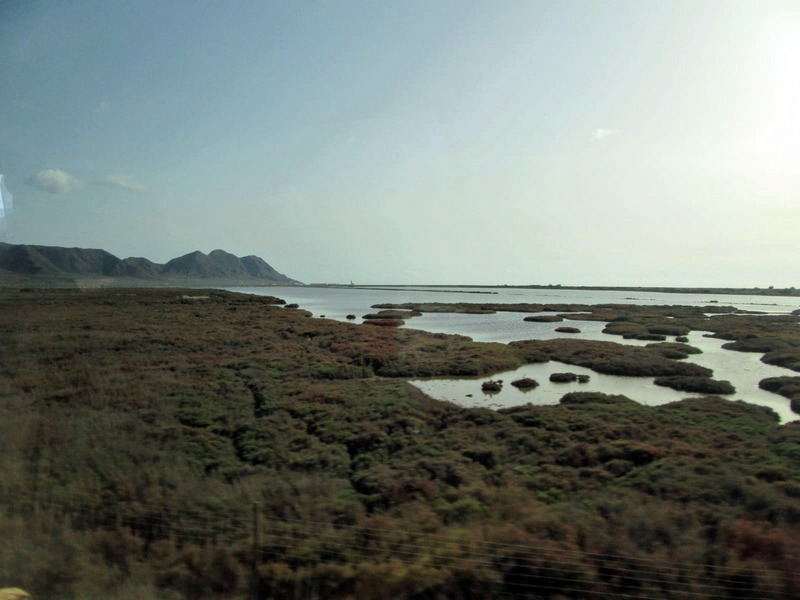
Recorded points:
781,292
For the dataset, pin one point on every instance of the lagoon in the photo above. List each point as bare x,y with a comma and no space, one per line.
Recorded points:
743,369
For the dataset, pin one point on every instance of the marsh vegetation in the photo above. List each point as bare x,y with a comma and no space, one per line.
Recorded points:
543,319
138,427
525,383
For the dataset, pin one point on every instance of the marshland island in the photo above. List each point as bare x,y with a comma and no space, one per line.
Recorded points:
198,443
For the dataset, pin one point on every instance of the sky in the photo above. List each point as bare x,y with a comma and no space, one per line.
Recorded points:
582,142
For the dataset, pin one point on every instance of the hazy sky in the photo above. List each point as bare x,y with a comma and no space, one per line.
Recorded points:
591,142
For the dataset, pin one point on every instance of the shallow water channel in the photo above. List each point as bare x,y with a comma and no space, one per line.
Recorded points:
743,369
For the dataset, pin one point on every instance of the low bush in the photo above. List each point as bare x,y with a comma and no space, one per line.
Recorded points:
595,398
669,329
624,328
526,383
492,385
675,351
702,385
563,377
543,318
752,343
393,314
384,322
788,387
607,357
646,337
788,359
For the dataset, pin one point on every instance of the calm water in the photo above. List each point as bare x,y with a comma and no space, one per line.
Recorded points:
743,370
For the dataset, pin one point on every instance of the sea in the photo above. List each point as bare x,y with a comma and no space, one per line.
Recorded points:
743,369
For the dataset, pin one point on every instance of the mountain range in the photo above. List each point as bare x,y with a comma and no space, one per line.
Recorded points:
21,262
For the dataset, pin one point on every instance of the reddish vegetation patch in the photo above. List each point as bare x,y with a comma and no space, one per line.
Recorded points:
607,357
385,322
137,428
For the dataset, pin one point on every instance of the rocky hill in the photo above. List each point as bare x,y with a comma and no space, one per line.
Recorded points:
52,264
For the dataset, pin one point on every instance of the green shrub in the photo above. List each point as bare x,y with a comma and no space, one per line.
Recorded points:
794,404
788,387
608,357
563,377
525,383
384,322
645,337
594,398
669,329
753,343
789,359
482,456
543,318
702,385
675,351
492,385
393,314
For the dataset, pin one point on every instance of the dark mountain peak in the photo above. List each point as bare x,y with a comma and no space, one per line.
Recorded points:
220,253
194,264
138,267
80,260
227,262
24,260
52,260
257,267
69,263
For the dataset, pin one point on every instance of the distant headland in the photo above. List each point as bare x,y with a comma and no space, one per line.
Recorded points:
54,266
753,291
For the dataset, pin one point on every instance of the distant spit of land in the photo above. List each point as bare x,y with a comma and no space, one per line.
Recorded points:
754,291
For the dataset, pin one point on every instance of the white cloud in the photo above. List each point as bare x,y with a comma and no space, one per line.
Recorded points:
55,181
103,108
125,182
601,133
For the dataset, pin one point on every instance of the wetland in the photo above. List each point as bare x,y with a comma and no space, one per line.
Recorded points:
625,317
139,427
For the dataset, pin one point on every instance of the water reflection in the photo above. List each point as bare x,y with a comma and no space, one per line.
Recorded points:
507,327
743,369
467,391
337,302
